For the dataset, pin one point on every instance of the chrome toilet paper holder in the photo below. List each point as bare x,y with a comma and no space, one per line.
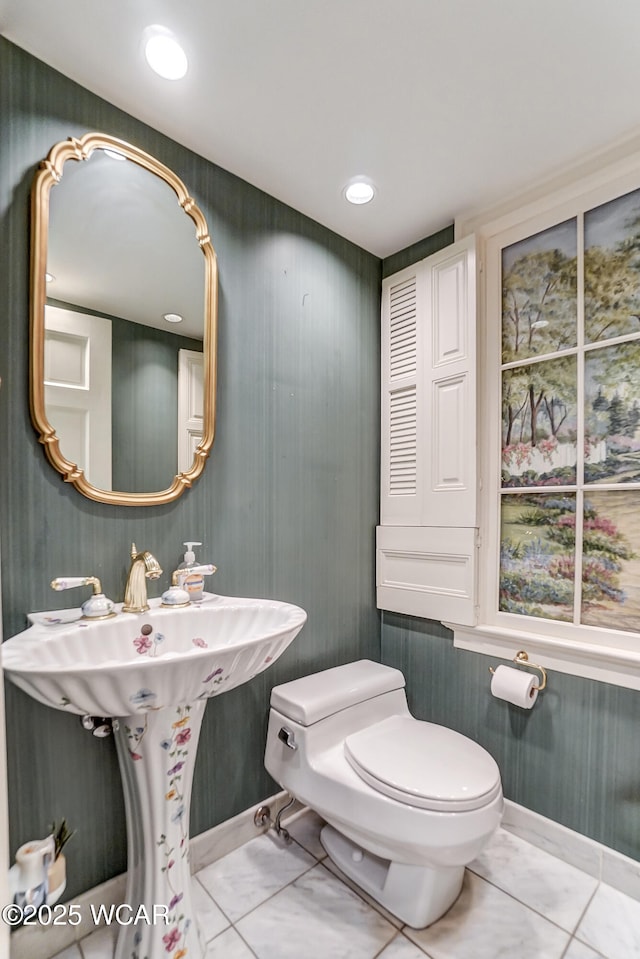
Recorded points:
522,658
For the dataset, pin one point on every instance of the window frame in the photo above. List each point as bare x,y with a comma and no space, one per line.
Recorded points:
588,651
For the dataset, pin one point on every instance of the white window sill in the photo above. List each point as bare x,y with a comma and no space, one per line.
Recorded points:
621,667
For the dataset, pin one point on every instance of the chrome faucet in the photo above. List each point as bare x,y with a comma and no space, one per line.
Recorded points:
143,566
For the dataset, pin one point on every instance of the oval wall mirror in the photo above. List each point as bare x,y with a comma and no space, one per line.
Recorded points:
123,323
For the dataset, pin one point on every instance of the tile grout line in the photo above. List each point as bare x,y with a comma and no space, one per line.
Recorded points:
360,893
584,911
546,830
318,862
257,906
215,903
566,948
532,908
376,908
231,923
399,932
598,951
241,937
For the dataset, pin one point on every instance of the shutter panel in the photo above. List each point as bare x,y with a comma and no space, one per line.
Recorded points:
427,540
402,470
402,329
427,571
450,493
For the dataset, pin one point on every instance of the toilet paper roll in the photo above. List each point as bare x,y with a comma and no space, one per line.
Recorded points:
515,686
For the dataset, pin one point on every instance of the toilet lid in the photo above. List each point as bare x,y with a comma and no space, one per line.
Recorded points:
425,765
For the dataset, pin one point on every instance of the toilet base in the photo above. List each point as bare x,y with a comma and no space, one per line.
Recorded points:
418,895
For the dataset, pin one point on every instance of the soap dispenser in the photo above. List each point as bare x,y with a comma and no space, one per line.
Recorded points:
193,583
29,876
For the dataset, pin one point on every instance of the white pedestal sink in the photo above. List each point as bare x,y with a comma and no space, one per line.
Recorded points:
154,672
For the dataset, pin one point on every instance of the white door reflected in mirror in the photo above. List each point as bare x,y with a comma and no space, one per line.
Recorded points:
190,408
77,380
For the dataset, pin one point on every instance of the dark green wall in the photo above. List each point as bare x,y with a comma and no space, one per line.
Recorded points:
417,251
286,507
144,402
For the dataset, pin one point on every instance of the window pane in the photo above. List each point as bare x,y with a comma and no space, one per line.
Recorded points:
537,555
539,293
611,268
539,424
612,414
611,560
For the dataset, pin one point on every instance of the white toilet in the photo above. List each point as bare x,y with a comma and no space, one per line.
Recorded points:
407,803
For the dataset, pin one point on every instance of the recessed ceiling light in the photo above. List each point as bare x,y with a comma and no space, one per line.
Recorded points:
359,191
172,318
164,54
49,277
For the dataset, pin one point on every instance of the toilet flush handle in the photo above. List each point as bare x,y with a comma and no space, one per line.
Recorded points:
286,736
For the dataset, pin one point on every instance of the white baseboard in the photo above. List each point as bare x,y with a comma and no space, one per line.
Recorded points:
605,864
43,942
229,835
592,857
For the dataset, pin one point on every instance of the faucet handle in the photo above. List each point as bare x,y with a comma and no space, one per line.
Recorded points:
68,582
97,606
207,569
177,595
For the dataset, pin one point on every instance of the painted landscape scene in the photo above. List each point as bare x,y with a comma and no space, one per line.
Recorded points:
537,561
539,317
539,421
539,294
537,555
612,269
612,309
613,561
612,414
550,427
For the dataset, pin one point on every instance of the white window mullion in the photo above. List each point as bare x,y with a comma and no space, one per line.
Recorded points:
580,394
530,361
490,392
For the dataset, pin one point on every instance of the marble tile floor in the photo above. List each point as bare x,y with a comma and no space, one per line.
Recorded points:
271,900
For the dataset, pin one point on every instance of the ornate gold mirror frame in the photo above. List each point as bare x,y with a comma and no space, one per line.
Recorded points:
48,175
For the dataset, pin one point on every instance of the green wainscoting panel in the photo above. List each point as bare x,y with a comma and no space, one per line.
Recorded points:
286,507
575,757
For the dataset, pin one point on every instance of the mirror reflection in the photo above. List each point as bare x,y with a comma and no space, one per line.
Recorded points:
128,324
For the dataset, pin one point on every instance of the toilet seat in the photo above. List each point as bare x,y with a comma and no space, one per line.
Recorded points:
425,765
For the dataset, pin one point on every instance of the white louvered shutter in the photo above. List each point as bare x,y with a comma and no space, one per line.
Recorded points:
427,540
400,440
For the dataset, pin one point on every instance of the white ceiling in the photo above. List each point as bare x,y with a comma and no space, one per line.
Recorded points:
446,105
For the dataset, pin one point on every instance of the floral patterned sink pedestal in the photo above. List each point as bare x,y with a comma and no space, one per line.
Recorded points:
157,753
154,671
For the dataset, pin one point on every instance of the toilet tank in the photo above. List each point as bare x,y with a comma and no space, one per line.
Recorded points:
312,698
